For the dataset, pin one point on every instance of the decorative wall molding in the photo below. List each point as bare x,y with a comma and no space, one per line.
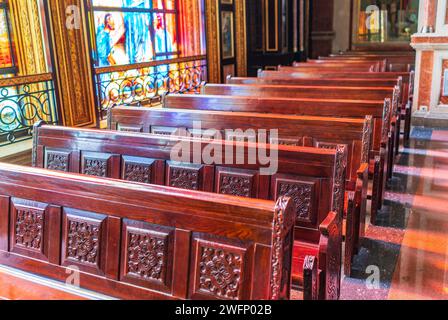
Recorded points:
213,41
28,37
240,36
72,65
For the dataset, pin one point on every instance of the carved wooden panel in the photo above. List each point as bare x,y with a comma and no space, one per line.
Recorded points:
129,128
168,131
147,255
184,176
137,169
207,134
245,136
235,182
327,145
99,164
31,229
297,142
83,234
57,160
219,269
303,192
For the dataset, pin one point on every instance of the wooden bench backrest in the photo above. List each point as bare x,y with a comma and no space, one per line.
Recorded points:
290,91
391,59
379,110
140,241
292,130
377,65
337,68
299,72
314,82
147,158
287,73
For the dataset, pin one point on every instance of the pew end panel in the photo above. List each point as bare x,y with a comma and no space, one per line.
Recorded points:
330,257
356,218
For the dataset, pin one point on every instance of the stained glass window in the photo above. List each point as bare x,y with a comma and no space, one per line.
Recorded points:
134,31
6,49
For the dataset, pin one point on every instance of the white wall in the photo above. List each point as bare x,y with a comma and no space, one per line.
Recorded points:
341,25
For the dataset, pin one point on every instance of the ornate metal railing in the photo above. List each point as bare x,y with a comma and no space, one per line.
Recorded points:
144,84
24,101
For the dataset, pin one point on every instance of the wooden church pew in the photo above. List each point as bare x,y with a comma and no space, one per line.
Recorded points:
404,112
305,91
314,82
337,68
380,111
380,65
135,241
287,91
292,130
314,178
395,61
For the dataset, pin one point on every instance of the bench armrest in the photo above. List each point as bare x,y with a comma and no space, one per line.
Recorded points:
310,278
330,257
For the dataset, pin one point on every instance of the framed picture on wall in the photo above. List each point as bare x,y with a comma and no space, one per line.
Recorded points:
227,41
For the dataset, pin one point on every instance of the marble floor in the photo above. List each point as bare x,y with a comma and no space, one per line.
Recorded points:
404,256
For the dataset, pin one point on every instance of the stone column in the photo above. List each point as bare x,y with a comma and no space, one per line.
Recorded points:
431,45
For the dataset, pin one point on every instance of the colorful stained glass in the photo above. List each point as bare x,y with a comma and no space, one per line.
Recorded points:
5,44
125,36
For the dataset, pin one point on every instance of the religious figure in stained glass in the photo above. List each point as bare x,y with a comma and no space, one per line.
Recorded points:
126,36
104,41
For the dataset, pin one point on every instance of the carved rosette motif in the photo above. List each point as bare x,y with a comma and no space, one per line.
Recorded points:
220,273
95,167
83,242
236,186
366,135
137,172
184,178
282,221
302,195
146,256
57,161
339,180
29,229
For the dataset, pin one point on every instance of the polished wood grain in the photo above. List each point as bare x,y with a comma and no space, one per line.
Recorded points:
314,81
296,91
107,223
292,130
380,111
315,173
